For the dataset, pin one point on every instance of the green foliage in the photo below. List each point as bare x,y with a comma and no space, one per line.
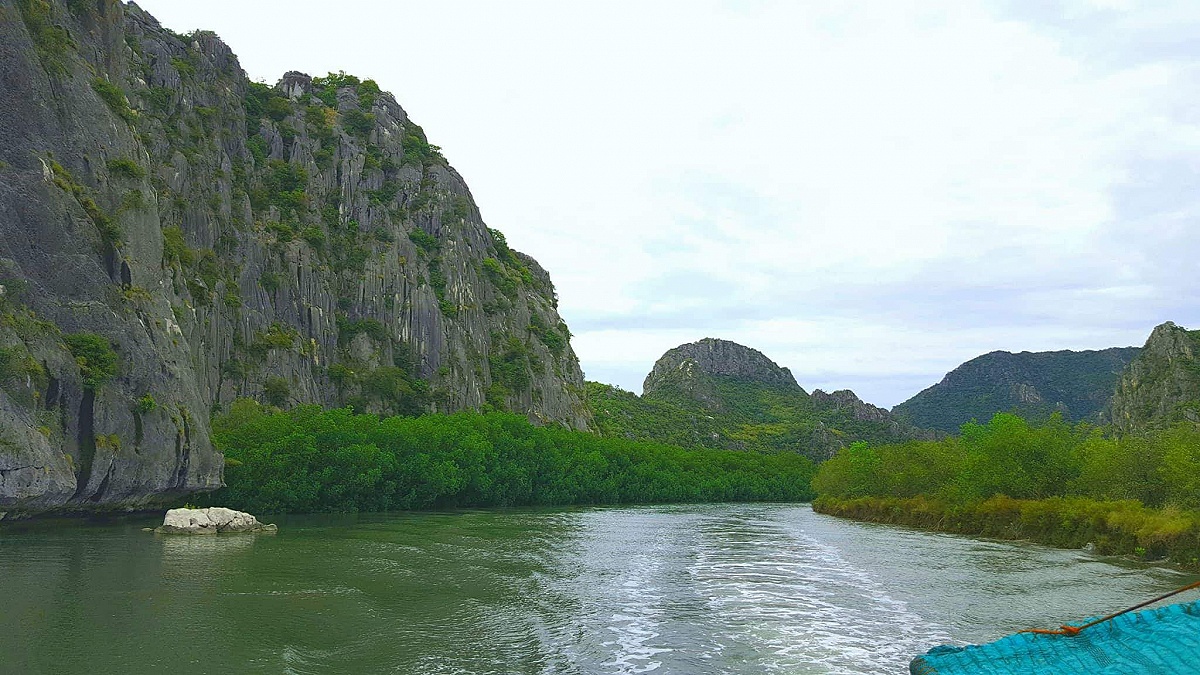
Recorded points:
437,280
95,356
318,119
51,40
725,412
349,328
158,99
1006,456
112,95
622,414
285,176
1113,527
325,88
277,336
133,200
126,168
501,277
1077,384
417,149
1010,457
277,391
257,145
186,68
396,389
358,122
8,361
503,252
202,266
551,336
269,281
110,232
386,193
509,364
460,209
368,91
232,300
278,108
309,460
284,186
17,363
146,404
287,133
315,237
349,255
175,249
424,241
324,157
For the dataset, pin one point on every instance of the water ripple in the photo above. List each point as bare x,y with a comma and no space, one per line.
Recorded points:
799,604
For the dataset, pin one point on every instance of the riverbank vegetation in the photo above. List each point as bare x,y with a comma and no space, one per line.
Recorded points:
1060,484
309,460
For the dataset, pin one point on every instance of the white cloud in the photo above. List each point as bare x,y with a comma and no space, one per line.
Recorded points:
899,185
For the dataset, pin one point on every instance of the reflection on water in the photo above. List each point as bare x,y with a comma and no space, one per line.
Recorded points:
194,549
696,589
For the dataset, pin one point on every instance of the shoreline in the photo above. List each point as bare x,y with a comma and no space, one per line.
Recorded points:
1125,528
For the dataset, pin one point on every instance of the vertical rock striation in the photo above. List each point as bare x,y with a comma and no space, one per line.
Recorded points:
219,238
1162,385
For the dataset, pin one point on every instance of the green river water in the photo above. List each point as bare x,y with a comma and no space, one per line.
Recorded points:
741,588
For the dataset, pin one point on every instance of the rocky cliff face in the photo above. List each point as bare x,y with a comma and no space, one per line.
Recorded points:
844,399
716,393
174,236
1077,384
687,370
1162,385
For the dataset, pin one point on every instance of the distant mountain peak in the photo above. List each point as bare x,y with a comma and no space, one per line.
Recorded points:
715,357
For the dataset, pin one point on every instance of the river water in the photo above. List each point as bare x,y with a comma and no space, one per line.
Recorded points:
743,588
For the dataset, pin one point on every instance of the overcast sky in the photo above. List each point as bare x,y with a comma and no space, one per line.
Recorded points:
868,192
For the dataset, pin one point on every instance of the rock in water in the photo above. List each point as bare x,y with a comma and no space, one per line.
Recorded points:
213,520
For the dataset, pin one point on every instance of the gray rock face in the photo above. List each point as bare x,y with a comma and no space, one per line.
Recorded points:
711,356
844,399
1162,385
215,520
845,403
297,244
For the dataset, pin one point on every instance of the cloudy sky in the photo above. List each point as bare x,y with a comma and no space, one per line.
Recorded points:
868,192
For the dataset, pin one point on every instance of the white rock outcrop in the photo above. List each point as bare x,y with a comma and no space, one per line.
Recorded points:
210,521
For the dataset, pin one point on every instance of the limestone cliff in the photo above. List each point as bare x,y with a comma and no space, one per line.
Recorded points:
687,370
1162,385
721,394
174,236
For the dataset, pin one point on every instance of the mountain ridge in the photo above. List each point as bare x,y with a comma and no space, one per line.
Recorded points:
1033,384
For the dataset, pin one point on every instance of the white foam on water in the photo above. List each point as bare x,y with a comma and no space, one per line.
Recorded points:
798,605
634,623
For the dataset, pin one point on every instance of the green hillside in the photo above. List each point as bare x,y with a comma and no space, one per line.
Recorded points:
719,394
1033,385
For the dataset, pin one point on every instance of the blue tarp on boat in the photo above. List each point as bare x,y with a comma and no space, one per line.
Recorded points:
1162,641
